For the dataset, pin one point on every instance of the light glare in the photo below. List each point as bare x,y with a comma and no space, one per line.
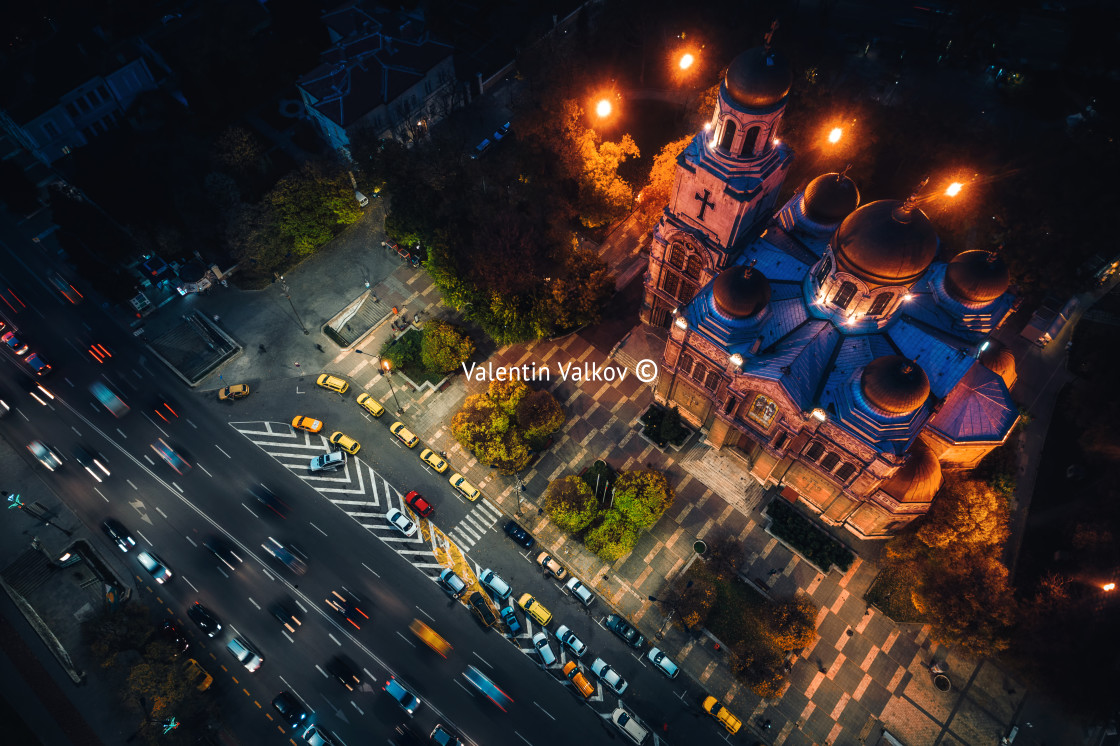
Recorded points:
954,189
603,108
686,61
835,134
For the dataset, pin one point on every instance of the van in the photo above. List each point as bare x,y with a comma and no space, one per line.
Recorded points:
328,462
579,681
405,435
334,383
626,723
371,405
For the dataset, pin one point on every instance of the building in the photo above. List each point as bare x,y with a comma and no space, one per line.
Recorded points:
383,73
827,345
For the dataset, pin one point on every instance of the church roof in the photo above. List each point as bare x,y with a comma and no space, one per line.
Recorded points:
886,243
830,198
758,78
979,408
977,277
894,384
1000,361
919,479
741,292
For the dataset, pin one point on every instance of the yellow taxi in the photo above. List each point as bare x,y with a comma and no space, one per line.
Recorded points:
334,383
430,637
345,442
722,714
195,672
434,461
371,405
237,391
465,488
300,422
579,681
535,609
405,435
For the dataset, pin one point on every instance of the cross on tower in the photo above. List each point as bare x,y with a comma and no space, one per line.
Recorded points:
705,203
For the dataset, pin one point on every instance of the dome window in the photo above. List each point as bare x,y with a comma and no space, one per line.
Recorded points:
749,141
823,270
844,296
728,135
882,300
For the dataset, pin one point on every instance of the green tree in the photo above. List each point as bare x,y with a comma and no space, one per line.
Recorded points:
671,428
642,496
445,347
507,395
577,295
539,415
403,352
613,538
570,504
312,205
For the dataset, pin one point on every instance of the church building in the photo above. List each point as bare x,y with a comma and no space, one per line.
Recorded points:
826,345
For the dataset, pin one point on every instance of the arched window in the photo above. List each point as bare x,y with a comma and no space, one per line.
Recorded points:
844,296
729,406
830,461
676,255
824,268
685,364
693,268
845,472
750,140
882,300
711,380
728,135
814,451
780,440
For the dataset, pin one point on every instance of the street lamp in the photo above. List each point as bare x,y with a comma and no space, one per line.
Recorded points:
288,295
387,366
603,108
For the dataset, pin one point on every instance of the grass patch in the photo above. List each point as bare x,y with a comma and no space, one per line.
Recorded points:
891,594
800,533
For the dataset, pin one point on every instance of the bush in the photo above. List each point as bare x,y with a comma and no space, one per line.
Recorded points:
797,531
487,425
671,429
571,504
444,347
404,352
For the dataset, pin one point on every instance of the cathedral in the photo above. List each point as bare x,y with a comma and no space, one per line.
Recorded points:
826,344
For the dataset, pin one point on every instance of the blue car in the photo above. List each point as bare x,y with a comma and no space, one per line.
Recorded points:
509,616
487,687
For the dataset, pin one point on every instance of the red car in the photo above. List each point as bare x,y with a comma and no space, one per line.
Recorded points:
419,505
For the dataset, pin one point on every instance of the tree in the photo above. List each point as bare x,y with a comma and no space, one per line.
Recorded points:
115,630
312,205
507,395
240,152
444,347
642,496
570,504
694,600
539,415
671,428
793,623
613,538
577,295
662,176
970,602
603,195
487,425
966,511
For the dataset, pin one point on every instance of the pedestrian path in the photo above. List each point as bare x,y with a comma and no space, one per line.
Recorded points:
356,489
475,524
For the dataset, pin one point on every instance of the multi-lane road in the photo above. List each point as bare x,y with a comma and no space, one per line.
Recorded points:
338,520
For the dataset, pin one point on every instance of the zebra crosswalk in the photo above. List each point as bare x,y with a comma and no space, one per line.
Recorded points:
474,524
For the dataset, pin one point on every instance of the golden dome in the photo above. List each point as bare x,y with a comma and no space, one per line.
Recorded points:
894,384
919,479
741,292
886,243
1000,361
977,277
830,198
758,78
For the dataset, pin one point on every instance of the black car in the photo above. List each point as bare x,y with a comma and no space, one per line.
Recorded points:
518,534
290,709
345,671
623,629
120,535
285,611
348,605
482,609
91,462
204,618
171,633
223,550
269,501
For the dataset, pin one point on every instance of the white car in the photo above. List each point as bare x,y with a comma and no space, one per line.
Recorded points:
244,652
494,583
580,591
45,455
569,640
155,566
610,677
658,658
400,522
544,650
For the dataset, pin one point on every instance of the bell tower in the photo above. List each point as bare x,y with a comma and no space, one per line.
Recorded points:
727,183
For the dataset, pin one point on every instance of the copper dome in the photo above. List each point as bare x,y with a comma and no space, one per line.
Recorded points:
830,198
976,277
894,384
758,78
886,243
741,292
1000,361
919,479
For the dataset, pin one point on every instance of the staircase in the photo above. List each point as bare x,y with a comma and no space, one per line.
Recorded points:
28,571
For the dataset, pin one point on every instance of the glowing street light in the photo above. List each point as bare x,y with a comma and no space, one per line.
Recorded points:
686,61
1107,587
954,189
603,108
835,135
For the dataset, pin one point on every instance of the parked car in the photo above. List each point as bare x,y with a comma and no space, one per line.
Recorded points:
580,591
408,701
543,648
629,725
404,435
579,681
327,462
623,629
431,459
464,488
172,635
509,617
494,583
610,677
570,640
310,424
333,383
345,442
518,534
371,405
419,505
551,566
662,662
401,522
535,609
713,707
236,391
196,674
482,609
453,583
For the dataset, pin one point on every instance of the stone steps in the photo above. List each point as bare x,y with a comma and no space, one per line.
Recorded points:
28,571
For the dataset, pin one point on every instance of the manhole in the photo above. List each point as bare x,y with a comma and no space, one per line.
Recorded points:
941,681
699,547
291,108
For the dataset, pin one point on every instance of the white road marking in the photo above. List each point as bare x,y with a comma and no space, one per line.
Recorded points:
370,569
76,431
546,712
130,484
359,709
523,738
102,496
324,533
191,541
325,676
200,466
425,613
161,512
300,606
254,603
223,572
336,642
149,460
368,673
476,655
468,691
145,538
405,639
176,486
192,424
223,452
190,584
122,434
248,508
288,636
